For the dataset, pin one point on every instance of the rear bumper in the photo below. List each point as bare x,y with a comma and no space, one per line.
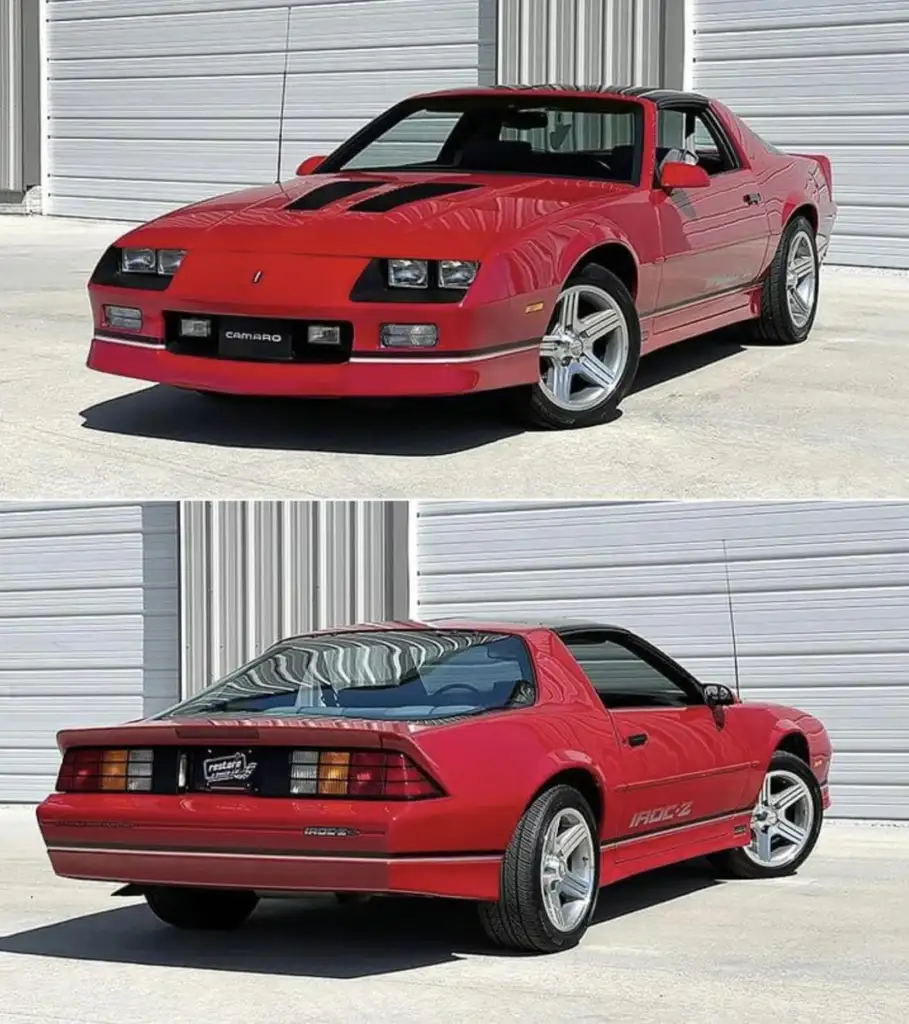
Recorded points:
363,376
274,844
460,877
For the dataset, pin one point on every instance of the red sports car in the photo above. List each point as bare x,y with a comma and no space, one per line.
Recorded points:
535,240
523,767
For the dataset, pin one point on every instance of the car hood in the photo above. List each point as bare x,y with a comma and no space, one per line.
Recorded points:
456,216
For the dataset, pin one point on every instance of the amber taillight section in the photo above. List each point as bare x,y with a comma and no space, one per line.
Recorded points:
93,770
375,774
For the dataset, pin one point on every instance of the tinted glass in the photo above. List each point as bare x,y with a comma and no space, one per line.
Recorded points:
383,674
564,138
622,678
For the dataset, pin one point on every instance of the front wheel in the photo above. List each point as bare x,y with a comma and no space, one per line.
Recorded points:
588,357
201,909
785,823
550,876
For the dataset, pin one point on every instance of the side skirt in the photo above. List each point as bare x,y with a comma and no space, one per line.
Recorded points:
644,853
668,326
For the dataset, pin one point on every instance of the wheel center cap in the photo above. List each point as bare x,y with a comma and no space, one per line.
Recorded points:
575,348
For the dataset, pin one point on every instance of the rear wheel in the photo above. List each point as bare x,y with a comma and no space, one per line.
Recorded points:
790,293
785,823
550,876
588,357
201,909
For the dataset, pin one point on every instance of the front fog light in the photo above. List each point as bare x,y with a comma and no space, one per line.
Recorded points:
195,327
169,261
457,273
138,261
409,335
323,334
408,274
123,318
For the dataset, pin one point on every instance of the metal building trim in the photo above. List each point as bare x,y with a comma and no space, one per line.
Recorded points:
254,571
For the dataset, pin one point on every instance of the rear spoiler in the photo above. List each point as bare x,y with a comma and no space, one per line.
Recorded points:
824,163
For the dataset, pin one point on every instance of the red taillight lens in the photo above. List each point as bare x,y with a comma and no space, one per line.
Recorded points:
89,770
363,773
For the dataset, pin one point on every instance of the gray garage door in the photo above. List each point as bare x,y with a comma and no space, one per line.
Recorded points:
820,597
89,616
155,103
827,76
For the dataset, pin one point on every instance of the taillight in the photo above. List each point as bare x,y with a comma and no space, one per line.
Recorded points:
366,773
88,770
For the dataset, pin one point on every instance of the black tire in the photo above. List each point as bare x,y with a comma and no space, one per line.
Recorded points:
519,920
201,909
775,325
737,864
530,403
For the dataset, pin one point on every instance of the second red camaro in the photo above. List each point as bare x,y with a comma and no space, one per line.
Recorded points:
522,767
535,240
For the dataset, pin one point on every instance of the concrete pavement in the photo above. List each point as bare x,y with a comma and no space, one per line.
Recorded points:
828,945
709,419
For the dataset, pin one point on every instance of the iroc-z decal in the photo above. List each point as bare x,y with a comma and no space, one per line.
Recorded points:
670,812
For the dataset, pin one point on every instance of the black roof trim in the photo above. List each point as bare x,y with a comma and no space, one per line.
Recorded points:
660,97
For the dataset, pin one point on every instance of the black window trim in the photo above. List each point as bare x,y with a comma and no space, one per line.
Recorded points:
652,656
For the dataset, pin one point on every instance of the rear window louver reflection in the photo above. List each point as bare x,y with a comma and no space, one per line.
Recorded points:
333,191
385,201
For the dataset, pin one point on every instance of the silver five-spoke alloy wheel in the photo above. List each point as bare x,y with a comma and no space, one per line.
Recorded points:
584,354
801,279
782,820
568,869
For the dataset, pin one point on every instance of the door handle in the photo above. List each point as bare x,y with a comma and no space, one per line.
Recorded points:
752,198
637,740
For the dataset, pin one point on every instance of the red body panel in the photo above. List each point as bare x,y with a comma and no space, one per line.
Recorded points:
699,256
489,768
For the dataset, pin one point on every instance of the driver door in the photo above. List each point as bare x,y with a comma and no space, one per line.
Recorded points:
681,761
714,239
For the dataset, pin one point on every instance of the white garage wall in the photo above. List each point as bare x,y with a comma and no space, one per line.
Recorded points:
820,597
828,76
89,627
155,103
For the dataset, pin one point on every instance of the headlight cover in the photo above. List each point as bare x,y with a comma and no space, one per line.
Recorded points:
164,262
408,273
457,273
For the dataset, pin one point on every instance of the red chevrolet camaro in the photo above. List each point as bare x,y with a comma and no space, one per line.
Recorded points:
522,767
534,240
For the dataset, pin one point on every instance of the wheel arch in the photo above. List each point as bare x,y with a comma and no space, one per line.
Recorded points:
795,742
584,781
795,208
615,257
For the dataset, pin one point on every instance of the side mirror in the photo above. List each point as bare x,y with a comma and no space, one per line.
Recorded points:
309,165
678,175
717,695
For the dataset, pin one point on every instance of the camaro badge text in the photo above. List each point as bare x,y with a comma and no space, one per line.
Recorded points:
230,768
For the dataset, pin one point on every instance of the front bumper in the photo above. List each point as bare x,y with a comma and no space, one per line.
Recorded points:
392,375
242,842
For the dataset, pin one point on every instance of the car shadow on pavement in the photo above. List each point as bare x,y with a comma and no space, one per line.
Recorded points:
413,427
318,937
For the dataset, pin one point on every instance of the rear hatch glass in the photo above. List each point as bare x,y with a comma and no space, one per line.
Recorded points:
405,675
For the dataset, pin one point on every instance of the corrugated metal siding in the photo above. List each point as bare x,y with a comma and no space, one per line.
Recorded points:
89,620
820,597
155,103
589,42
256,571
828,76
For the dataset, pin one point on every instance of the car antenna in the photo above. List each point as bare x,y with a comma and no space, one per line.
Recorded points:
283,97
735,652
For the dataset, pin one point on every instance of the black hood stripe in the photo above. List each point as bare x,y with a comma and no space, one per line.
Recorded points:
331,192
396,197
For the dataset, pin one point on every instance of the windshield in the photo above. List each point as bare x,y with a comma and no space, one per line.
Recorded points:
404,675
571,137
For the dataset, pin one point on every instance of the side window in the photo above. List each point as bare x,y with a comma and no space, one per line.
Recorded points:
623,679
687,136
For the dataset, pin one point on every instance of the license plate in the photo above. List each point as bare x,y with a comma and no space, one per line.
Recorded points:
262,340
226,770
